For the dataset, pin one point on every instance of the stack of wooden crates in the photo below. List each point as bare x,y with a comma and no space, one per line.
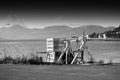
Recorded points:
54,48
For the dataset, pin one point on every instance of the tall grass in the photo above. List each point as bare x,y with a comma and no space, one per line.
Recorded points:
33,60
15,54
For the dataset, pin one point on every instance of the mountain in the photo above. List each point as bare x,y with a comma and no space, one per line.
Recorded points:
57,28
110,28
96,28
14,32
18,27
89,29
18,31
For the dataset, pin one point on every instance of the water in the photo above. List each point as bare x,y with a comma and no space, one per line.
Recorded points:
105,50
20,48
101,50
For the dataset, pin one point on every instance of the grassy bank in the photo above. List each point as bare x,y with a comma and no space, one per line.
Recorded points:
108,39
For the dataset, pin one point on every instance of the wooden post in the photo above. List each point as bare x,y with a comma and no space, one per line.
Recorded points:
66,57
67,48
64,51
74,58
82,55
60,56
90,55
78,52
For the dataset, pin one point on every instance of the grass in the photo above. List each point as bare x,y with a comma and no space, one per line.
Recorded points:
24,60
61,72
19,54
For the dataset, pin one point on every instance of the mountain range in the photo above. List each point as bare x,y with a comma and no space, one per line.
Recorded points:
18,31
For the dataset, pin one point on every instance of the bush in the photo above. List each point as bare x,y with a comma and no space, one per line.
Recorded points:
7,60
101,61
91,60
33,60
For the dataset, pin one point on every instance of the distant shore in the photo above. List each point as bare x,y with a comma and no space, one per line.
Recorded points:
98,39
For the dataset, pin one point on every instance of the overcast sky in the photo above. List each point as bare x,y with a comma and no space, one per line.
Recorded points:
41,14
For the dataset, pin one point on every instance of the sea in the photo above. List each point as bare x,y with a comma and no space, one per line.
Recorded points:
100,50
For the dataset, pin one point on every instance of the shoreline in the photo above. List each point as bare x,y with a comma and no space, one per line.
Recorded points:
97,39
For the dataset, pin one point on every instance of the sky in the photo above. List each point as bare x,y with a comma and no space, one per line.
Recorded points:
34,14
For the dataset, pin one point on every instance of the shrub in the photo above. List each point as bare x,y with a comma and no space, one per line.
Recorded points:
101,61
33,60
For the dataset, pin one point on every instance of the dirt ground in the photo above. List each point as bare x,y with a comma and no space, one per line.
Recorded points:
59,72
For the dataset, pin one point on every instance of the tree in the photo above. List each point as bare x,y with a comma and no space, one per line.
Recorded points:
94,35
